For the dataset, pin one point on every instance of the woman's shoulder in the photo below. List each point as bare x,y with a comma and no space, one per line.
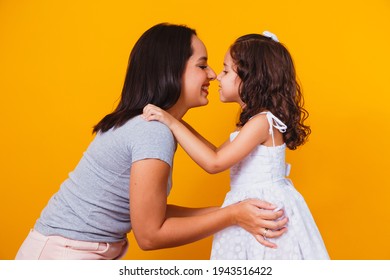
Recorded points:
145,129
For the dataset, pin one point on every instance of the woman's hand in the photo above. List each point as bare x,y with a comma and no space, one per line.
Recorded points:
259,218
154,113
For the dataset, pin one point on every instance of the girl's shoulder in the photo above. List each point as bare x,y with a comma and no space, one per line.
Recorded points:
262,114
256,122
257,126
270,121
260,121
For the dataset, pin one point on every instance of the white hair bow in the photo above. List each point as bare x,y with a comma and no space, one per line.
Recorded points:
270,35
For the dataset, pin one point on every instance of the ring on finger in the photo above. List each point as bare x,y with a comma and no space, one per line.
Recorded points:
265,232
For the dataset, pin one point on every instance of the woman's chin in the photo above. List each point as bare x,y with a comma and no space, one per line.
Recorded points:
203,102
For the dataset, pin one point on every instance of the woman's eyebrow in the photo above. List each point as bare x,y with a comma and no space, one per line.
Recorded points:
203,58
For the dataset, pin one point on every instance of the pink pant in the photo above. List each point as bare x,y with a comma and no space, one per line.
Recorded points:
40,247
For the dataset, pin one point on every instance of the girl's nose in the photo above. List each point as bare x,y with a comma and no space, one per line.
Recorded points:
219,76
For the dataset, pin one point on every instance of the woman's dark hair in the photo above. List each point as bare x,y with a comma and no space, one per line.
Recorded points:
268,82
154,73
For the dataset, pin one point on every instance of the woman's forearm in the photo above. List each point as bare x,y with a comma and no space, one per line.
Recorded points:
180,211
158,225
176,231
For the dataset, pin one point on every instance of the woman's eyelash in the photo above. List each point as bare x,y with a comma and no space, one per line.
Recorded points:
203,66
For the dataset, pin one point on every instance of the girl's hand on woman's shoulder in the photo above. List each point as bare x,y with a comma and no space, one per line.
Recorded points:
154,113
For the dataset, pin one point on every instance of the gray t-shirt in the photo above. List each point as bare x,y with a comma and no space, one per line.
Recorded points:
93,203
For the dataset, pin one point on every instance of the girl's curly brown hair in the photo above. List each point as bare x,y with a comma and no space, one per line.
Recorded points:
268,83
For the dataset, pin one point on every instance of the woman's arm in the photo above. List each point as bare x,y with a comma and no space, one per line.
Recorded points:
155,226
180,211
251,135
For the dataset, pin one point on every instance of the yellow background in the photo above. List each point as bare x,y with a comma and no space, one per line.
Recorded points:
62,65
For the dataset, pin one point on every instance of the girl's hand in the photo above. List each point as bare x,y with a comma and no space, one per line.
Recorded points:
258,218
153,113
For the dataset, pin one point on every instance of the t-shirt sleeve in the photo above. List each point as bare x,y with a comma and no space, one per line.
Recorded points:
153,140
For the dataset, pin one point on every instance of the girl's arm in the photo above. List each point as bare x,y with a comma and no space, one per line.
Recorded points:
251,135
200,137
156,225
204,140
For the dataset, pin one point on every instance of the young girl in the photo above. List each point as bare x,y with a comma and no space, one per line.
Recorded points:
259,75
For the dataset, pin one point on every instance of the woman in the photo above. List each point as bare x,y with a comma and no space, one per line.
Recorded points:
121,182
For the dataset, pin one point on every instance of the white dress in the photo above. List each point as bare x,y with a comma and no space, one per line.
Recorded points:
262,174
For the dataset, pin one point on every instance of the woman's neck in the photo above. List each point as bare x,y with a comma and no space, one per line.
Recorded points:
177,111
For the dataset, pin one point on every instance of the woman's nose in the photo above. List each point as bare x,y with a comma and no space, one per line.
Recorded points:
211,74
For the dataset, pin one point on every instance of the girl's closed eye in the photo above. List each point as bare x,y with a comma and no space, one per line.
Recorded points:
203,67
224,71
